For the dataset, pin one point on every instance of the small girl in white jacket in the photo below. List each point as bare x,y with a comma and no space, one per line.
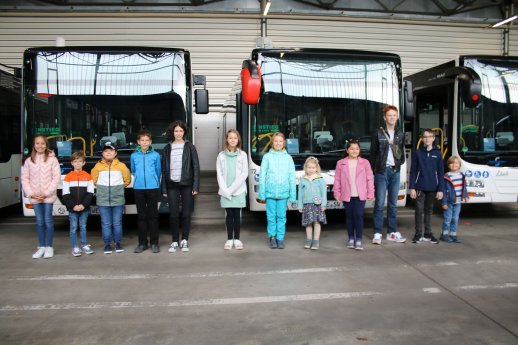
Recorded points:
232,171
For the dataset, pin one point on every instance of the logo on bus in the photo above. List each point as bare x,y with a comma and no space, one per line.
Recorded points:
469,173
478,174
485,174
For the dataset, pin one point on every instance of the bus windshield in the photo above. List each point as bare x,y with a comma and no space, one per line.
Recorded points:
321,101
83,99
491,128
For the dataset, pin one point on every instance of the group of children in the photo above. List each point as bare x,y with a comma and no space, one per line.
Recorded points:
176,174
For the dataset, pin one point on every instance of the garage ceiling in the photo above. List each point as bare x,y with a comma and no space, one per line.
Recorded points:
474,11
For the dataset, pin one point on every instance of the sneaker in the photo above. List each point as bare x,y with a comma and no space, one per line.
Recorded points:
155,248
140,248
396,237
184,245
108,249
376,239
444,238
430,239
273,243
315,245
173,247
228,245
308,243
49,252
87,249
238,244
358,245
350,243
39,253
76,252
280,244
417,239
454,239
118,248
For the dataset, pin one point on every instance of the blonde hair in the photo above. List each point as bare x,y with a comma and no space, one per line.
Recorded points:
279,134
227,147
314,160
453,159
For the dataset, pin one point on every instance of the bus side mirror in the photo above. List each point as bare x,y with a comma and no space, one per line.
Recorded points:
250,82
470,84
201,99
408,95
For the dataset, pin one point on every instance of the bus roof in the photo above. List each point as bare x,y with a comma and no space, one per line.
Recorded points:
108,49
326,51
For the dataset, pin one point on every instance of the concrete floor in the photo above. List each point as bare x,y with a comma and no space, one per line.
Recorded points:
389,294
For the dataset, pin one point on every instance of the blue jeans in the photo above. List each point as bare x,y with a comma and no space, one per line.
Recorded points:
354,211
451,219
276,216
111,219
44,223
75,219
386,185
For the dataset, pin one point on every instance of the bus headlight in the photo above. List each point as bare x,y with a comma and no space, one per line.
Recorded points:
475,183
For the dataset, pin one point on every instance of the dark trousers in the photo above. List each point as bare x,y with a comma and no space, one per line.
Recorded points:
180,195
147,212
354,211
423,212
233,222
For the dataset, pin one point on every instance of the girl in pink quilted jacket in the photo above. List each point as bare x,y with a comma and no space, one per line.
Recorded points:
354,184
40,179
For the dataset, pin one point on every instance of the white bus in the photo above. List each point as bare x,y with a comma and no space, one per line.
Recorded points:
82,97
10,142
472,104
319,98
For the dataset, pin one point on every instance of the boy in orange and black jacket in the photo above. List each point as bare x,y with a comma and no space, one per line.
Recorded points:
78,191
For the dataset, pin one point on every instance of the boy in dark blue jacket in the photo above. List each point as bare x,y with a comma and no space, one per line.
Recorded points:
426,185
146,170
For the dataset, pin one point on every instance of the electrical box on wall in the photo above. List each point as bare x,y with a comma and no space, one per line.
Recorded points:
263,42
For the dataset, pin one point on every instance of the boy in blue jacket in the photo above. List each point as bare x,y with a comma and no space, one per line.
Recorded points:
426,185
146,170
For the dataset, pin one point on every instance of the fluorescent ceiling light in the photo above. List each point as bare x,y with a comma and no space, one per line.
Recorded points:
267,8
505,21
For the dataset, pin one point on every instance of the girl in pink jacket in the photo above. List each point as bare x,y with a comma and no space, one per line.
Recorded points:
40,179
354,184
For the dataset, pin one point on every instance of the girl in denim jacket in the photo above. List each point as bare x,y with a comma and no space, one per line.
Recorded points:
312,202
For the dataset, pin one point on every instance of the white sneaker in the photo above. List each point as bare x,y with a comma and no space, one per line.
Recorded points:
376,239
238,244
76,251
39,253
173,247
184,245
87,249
396,237
228,245
49,252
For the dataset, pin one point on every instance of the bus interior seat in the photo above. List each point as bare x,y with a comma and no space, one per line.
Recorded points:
108,138
121,138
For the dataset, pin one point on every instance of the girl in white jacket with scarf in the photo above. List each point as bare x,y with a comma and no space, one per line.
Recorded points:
232,171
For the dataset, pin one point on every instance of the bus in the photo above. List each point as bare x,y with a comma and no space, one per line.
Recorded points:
319,98
471,103
83,97
10,139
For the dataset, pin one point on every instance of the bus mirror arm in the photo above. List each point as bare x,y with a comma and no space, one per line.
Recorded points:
470,84
408,95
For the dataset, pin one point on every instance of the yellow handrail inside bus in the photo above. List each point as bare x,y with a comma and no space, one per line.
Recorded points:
62,137
82,139
260,137
92,144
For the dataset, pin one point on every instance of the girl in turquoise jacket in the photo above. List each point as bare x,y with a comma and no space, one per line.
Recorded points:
277,185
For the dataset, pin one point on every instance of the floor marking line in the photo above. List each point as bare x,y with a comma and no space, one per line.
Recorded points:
175,276
481,287
189,303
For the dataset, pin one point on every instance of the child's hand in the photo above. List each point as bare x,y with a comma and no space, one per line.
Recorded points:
439,196
323,209
338,199
300,210
466,199
413,194
294,205
444,207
